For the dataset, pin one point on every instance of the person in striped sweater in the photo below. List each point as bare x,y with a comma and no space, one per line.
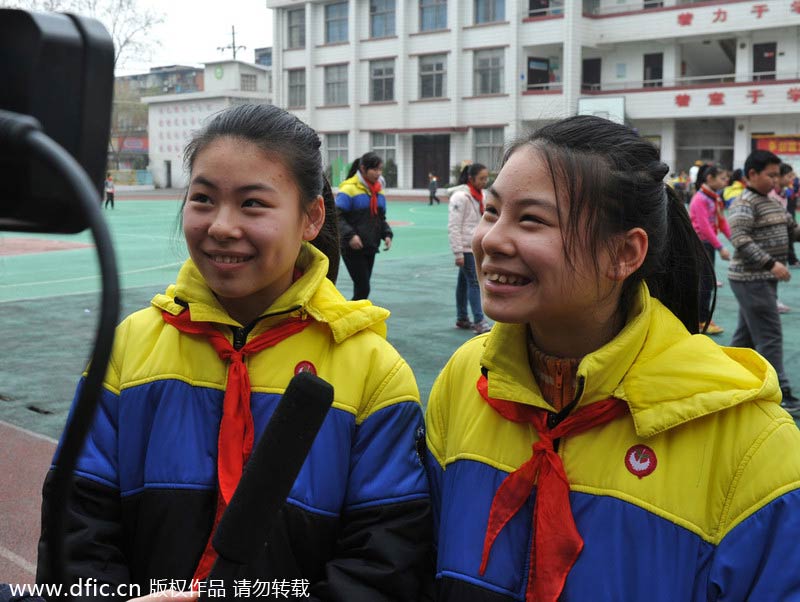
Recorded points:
760,233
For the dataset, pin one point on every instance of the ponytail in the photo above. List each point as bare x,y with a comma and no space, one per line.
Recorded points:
470,171
327,240
677,283
354,167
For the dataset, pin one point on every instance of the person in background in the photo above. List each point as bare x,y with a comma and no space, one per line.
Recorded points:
734,189
708,220
109,188
433,185
195,378
593,446
361,207
760,234
464,212
787,179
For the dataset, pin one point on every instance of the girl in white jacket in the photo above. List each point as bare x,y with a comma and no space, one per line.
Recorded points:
466,208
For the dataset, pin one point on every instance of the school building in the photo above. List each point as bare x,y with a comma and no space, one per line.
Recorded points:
430,83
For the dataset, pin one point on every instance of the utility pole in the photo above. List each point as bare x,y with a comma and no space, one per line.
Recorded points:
232,45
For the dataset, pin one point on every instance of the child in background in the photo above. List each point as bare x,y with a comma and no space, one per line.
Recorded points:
705,210
464,212
109,187
593,446
194,379
433,185
361,207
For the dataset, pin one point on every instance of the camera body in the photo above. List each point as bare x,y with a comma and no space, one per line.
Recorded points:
59,69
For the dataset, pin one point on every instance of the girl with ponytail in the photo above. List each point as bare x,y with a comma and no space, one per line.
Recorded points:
594,445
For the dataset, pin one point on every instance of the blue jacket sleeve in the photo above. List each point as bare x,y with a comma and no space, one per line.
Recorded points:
383,550
93,521
758,559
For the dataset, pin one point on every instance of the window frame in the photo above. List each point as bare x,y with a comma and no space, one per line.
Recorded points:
299,27
488,11
340,85
252,82
389,14
436,7
488,152
484,73
336,19
387,151
295,85
385,81
433,74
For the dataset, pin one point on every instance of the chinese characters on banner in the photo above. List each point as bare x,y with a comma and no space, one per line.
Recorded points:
780,145
718,98
720,15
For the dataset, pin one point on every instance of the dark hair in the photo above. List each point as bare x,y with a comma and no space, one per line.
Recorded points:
703,173
470,171
619,186
368,160
737,175
294,144
758,160
786,169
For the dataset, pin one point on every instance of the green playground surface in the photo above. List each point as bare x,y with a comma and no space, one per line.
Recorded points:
49,301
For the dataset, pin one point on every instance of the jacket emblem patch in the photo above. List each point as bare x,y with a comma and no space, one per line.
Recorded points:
305,367
640,460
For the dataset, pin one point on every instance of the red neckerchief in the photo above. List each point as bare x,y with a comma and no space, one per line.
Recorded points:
476,194
709,193
235,441
556,543
374,189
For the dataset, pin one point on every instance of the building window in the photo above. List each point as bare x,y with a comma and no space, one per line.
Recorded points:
433,76
336,85
297,88
381,78
247,82
296,22
432,15
336,23
488,146
381,18
385,146
488,73
489,11
337,158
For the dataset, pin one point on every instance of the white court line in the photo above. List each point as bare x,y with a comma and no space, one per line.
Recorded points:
18,560
94,277
25,431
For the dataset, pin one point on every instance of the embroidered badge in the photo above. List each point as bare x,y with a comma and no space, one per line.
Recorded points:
305,367
640,460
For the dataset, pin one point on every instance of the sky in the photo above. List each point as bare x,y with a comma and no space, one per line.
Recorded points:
193,30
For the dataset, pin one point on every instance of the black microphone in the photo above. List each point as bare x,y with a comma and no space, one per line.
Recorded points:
269,474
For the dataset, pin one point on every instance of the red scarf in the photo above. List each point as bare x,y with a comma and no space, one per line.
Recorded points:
718,206
477,195
236,435
556,543
374,189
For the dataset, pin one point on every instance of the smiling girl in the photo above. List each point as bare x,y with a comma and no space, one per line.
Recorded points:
593,446
195,377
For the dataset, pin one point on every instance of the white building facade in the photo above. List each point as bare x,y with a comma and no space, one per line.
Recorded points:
429,84
173,118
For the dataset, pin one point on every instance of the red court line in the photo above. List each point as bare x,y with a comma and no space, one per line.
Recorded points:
24,460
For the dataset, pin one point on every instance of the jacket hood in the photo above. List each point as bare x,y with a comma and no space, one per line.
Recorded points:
312,294
666,375
357,181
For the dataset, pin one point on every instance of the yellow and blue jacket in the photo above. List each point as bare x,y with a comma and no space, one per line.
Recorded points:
356,524
715,515
354,217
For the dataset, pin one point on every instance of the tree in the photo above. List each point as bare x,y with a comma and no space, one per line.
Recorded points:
128,23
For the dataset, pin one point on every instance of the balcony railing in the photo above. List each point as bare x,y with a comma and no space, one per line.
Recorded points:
550,86
555,9
695,81
592,7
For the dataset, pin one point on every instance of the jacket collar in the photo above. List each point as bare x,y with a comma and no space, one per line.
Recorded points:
312,294
666,375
